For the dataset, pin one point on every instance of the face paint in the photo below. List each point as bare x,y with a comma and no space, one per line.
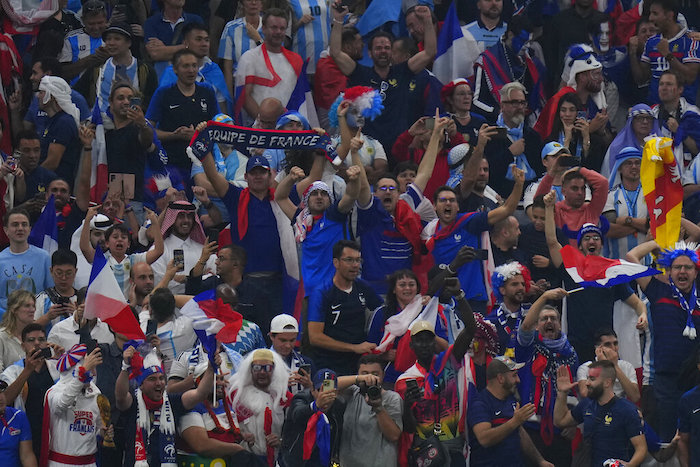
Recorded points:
602,39
521,40
355,118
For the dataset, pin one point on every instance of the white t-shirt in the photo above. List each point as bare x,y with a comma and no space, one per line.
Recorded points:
625,366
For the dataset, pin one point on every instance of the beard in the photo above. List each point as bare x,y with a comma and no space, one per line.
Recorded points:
517,119
595,392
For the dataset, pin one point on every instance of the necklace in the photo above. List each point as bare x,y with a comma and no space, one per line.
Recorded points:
466,115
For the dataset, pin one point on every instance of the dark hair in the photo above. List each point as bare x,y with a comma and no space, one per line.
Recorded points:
349,33
162,302
518,23
120,227
25,134
643,20
442,188
181,53
679,79
570,176
81,295
17,210
407,45
50,65
606,367
276,12
390,302
433,18
371,359
31,327
667,5
390,176
557,126
94,8
64,256
195,26
377,35
538,202
122,84
340,245
405,165
238,252
601,332
59,179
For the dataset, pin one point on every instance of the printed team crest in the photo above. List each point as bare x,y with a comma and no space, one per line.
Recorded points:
204,105
361,297
458,237
83,422
608,419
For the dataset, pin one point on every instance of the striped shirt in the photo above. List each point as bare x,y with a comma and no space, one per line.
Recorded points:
122,269
235,40
624,203
312,38
78,44
110,73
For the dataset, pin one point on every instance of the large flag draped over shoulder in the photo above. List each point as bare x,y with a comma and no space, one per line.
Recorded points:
212,320
105,300
599,271
452,47
663,192
302,100
44,233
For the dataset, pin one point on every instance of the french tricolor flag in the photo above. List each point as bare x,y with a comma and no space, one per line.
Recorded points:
44,232
452,47
105,300
212,320
598,271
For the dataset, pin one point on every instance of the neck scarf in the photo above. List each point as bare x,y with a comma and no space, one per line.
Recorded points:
305,221
318,433
408,224
164,420
503,314
442,233
688,307
519,160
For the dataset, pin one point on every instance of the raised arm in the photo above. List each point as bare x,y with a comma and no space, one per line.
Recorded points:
530,321
427,162
352,190
82,183
511,204
199,394
464,339
282,192
85,245
636,254
365,193
599,189
217,180
344,61
426,56
153,254
550,229
562,414
470,171
122,395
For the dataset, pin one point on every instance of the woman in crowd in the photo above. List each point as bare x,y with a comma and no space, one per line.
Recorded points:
456,96
20,312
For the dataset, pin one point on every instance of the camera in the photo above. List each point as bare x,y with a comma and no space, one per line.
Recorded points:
374,392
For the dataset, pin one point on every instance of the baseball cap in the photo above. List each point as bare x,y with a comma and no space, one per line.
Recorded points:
552,148
323,374
283,323
420,326
502,364
257,161
120,28
100,222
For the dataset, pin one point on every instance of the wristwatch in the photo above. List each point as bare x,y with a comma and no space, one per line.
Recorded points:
446,267
628,220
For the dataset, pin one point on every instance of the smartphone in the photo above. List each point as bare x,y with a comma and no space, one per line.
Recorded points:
568,161
328,385
451,281
179,259
56,298
45,352
212,235
482,254
305,368
135,102
339,5
582,114
411,384
501,132
430,123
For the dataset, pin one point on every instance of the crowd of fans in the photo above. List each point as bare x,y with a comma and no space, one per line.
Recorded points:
403,295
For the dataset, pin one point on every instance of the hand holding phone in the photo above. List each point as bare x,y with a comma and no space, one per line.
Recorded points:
179,259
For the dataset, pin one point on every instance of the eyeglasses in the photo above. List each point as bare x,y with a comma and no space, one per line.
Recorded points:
386,188
63,274
515,103
267,368
351,260
591,237
683,267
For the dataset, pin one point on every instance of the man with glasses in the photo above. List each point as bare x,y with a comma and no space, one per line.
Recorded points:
521,145
58,302
674,307
452,230
31,377
626,208
337,311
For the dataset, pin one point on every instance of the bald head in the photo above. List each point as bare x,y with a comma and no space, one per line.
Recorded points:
269,111
142,280
227,294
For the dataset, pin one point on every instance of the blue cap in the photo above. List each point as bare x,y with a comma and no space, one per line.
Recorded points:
625,154
552,148
324,374
257,161
586,229
292,116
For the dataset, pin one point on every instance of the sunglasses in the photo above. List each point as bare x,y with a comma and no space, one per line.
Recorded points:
267,368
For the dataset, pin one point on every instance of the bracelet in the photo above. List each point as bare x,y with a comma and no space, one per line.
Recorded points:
338,22
126,366
357,382
461,295
449,269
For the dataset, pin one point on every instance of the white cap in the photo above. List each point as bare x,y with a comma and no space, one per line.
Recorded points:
283,323
101,222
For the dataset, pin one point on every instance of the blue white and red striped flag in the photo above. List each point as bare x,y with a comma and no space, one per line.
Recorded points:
302,100
452,47
44,232
598,271
105,300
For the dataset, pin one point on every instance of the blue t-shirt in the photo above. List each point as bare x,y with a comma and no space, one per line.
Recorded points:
262,236
39,118
317,248
669,345
13,431
470,276
384,249
611,427
61,129
684,49
689,421
343,315
28,270
156,26
486,408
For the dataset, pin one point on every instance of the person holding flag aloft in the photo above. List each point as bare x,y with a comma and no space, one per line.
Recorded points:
674,307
